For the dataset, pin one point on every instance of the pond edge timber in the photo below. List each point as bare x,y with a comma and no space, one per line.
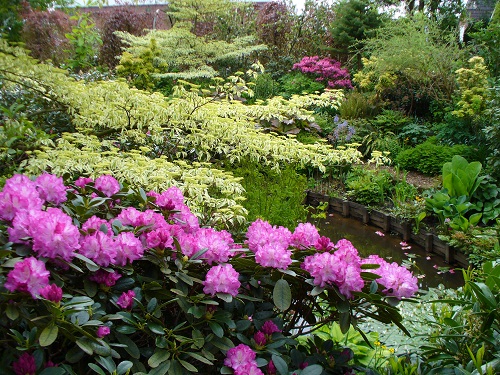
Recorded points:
391,224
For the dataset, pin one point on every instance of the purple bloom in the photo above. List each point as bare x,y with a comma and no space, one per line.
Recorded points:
128,248
54,234
260,339
28,275
106,278
269,327
305,235
238,356
25,365
107,184
221,279
126,300
273,255
19,194
100,248
82,181
52,292
325,69
262,233
103,331
51,188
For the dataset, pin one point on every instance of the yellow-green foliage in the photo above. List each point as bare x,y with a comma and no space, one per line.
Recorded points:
181,53
201,127
473,83
214,195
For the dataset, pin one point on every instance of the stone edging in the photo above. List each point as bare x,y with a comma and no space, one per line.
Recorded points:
429,241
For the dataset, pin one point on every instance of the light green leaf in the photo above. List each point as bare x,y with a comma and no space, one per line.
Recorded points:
48,335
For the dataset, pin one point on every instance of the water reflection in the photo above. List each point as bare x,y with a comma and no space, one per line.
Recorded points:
389,247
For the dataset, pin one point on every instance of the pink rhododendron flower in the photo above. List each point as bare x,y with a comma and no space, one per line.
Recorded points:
304,236
186,219
398,281
221,279
271,368
126,300
128,248
54,234
269,327
170,199
273,255
219,245
327,268
238,356
51,188
106,278
82,181
324,244
346,252
94,224
20,227
260,339
25,365
261,233
380,233
52,292
18,194
100,248
28,275
160,238
107,184
248,369
103,331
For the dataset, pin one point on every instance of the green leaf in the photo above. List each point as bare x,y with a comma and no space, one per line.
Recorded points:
280,364
188,366
225,297
49,335
53,371
85,344
317,290
484,294
199,358
12,312
152,304
155,328
216,328
312,370
345,322
175,369
162,369
158,357
222,343
282,295
97,369
123,367
107,363
127,330
373,287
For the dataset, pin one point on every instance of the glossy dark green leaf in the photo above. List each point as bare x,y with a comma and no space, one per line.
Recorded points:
199,358
282,295
162,369
107,363
53,371
158,357
216,328
11,311
312,370
345,322
97,369
188,366
155,328
130,345
152,304
123,367
280,365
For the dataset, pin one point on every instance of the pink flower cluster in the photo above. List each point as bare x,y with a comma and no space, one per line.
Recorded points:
342,268
28,275
241,359
25,365
398,281
325,69
270,244
221,279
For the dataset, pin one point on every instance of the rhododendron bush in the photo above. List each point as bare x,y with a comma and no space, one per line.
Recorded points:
100,277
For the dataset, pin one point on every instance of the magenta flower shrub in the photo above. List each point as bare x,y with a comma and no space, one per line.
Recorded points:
99,277
325,70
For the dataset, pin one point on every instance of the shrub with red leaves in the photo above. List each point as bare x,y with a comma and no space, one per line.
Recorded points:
44,35
325,70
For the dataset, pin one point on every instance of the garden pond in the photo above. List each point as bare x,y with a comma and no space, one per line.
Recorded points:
431,269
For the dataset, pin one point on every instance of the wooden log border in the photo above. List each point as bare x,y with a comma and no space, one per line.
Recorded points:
387,223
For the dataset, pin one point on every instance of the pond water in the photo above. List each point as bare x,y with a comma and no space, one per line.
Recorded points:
430,268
